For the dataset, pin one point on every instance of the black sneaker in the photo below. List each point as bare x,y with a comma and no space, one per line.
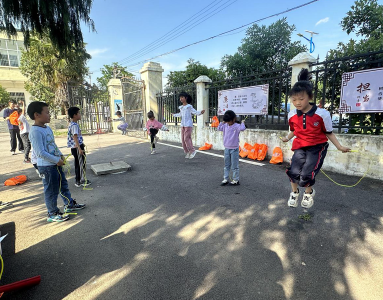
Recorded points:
5,203
234,182
86,182
59,217
74,206
78,184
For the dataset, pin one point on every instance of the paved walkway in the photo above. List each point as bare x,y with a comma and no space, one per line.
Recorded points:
167,230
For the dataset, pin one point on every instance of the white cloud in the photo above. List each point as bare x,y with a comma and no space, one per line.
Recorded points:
325,20
97,51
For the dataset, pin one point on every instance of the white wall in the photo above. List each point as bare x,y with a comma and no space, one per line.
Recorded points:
369,157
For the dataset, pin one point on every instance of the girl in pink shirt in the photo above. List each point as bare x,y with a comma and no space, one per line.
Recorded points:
152,126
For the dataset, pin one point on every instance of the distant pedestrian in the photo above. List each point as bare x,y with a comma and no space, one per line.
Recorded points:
231,130
152,127
24,131
14,130
186,112
312,127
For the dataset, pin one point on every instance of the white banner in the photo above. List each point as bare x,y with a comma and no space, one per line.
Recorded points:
252,100
362,91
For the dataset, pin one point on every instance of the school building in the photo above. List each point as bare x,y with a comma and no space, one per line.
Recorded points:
10,76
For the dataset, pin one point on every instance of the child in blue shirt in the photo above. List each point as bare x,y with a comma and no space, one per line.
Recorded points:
76,143
49,162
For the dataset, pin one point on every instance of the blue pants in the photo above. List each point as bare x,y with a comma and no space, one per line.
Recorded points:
51,181
306,163
231,163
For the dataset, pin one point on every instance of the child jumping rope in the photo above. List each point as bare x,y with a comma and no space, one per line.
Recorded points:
186,111
231,131
311,126
152,126
123,125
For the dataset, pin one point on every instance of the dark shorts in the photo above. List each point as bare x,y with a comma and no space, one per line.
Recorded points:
306,164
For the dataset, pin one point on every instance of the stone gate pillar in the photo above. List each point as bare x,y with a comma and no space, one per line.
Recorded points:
151,74
202,104
302,60
115,96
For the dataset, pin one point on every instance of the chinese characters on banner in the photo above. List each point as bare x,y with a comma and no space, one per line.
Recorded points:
252,100
362,91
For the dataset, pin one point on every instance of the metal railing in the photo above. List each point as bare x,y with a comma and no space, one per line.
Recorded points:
279,85
168,102
327,81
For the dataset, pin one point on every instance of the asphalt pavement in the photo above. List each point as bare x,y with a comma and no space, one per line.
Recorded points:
168,230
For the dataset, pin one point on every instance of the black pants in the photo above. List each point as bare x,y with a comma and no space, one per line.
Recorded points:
79,163
153,133
16,133
306,164
27,144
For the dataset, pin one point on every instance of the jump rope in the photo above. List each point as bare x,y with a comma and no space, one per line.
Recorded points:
345,185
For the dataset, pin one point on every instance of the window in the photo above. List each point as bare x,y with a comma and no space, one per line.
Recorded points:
10,53
18,97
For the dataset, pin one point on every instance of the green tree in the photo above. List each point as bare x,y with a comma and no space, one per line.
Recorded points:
263,49
49,72
365,19
107,74
4,97
59,19
194,69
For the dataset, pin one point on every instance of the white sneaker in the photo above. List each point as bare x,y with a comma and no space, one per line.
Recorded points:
153,152
293,200
308,200
187,155
193,154
224,182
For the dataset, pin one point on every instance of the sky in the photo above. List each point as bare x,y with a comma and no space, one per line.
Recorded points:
124,27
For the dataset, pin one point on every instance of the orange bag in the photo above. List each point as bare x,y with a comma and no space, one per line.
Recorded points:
244,152
214,122
206,147
277,156
14,117
17,180
262,152
254,152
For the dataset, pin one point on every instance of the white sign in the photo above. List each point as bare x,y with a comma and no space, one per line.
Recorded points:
362,91
252,100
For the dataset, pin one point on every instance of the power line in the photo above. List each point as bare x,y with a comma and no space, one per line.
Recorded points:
169,32
175,33
212,37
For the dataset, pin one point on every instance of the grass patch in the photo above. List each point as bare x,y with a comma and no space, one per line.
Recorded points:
305,217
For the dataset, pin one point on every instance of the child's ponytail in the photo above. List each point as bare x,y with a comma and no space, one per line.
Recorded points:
303,84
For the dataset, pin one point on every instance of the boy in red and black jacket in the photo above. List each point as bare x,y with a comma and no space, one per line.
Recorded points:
312,127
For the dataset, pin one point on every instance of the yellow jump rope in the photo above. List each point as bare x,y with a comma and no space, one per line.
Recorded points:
345,185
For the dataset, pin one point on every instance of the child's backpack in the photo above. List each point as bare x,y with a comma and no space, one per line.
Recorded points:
277,156
254,152
14,118
214,122
17,180
244,152
262,152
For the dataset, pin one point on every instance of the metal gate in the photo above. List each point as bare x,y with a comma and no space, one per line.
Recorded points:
95,110
133,93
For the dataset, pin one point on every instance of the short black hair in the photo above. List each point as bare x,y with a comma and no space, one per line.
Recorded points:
187,96
150,114
73,111
35,107
12,101
229,116
303,84
118,113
